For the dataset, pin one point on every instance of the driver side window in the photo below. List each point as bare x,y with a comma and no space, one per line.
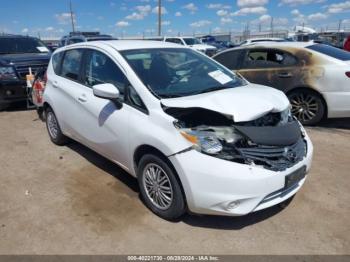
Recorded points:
100,69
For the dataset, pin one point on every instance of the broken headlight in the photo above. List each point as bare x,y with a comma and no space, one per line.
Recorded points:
286,116
205,142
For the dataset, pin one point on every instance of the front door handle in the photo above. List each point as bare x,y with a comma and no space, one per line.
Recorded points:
285,75
82,98
55,84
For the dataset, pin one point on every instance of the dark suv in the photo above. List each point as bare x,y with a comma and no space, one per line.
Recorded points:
78,37
17,55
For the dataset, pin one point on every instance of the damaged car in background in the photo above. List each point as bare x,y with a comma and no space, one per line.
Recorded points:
198,137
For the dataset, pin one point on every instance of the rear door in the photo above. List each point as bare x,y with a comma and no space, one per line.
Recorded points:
271,67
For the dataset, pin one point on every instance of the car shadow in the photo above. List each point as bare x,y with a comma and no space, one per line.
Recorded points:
339,123
204,221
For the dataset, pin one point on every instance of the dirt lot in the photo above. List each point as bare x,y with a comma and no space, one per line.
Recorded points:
69,200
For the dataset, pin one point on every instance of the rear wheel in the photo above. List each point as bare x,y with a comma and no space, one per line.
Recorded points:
307,106
53,128
159,188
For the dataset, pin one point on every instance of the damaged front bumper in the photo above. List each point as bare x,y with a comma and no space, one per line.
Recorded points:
216,186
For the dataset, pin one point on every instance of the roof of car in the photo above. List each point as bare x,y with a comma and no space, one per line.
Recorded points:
121,45
277,45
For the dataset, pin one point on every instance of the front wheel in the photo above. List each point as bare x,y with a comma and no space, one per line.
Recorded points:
159,188
307,106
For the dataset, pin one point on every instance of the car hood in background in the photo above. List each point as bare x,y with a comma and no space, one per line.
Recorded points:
245,103
24,58
203,47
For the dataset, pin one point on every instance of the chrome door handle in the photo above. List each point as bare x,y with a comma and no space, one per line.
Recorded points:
55,84
285,75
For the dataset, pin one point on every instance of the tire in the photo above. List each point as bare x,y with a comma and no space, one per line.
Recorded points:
168,202
307,106
53,128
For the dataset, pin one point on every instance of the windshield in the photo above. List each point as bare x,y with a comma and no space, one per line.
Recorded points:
192,41
331,51
176,72
18,45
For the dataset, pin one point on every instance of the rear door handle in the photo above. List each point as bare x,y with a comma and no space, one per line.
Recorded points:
82,98
285,75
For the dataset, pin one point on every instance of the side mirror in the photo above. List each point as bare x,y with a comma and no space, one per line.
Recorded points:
107,91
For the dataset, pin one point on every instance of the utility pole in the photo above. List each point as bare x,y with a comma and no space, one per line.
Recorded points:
71,16
271,26
159,17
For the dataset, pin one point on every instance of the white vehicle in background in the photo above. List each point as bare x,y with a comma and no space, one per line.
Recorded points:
259,40
194,43
196,136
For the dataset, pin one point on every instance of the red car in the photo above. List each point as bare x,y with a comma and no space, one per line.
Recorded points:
347,44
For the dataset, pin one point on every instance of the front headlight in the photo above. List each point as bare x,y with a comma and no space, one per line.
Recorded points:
286,115
205,142
7,73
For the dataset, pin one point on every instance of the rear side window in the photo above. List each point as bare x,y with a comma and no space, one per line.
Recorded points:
56,62
71,64
229,59
100,69
331,51
268,58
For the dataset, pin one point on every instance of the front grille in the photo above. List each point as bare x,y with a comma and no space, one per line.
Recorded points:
23,70
273,157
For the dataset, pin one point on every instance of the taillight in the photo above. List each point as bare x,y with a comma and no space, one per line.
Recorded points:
347,74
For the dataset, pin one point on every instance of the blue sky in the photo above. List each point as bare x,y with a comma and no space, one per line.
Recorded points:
137,17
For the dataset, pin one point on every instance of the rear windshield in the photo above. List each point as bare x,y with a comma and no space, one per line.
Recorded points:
23,45
331,51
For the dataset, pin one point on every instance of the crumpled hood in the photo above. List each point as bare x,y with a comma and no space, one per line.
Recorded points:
244,103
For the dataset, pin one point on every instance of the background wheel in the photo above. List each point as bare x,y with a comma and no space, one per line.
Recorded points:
53,128
307,106
160,188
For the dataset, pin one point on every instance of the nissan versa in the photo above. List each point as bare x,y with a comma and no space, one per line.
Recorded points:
197,137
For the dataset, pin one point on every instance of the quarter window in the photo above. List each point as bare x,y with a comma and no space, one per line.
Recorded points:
56,62
100,69
71,64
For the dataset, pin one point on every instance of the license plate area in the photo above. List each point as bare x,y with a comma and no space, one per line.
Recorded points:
293,178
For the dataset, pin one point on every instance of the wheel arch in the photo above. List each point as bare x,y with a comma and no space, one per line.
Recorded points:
145,149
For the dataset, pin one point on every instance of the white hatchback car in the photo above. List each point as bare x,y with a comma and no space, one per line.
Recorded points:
197,137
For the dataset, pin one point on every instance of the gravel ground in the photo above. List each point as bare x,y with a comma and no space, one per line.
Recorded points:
69,200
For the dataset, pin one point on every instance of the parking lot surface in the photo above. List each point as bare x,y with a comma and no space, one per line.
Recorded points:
70,200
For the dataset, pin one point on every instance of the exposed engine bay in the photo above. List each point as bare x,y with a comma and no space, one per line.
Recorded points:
274,141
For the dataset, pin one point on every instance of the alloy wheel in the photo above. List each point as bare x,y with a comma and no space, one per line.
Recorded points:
304,106
52,125
157,186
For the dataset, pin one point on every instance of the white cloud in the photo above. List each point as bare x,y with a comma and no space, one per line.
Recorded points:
225,20
339,8
222,12
218,6
143,9
300,2
295,12
265,18
250,10
317,16
64,18
251,3
178,14
201,23
135,16
122,24
166,23
50,28
25,30
163,9
191,7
